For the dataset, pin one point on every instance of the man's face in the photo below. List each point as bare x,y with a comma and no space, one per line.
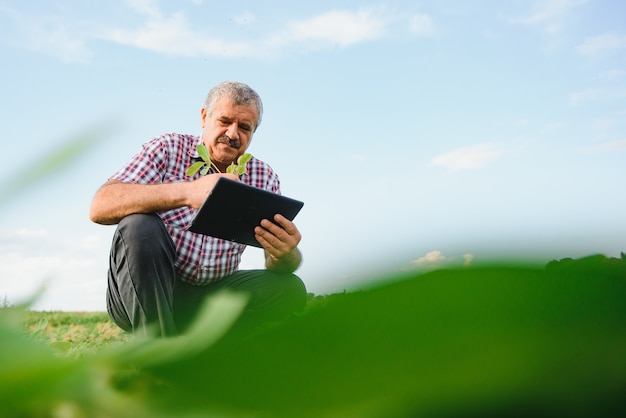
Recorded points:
228,130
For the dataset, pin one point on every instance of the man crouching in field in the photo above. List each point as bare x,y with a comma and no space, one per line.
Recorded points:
160,273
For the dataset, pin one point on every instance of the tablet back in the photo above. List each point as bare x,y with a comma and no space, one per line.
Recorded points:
233,209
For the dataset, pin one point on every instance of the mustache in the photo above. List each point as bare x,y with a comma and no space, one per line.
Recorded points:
226,140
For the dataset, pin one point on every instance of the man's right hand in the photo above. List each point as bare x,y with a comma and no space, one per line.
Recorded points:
199,189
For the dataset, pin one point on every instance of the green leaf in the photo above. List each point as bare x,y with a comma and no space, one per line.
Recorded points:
41,327
240,169
193,168
205,170
216,316
204,152
243,159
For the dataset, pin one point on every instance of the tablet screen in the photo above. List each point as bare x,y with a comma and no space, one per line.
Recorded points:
233,209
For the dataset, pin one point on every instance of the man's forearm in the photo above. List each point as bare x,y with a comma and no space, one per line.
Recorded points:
116,200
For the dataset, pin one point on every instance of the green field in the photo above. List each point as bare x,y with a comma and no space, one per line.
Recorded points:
507,339
73,333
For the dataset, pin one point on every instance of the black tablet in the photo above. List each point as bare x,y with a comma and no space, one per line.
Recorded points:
233,209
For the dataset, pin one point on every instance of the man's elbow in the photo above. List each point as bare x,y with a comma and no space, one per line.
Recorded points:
98,216
100,211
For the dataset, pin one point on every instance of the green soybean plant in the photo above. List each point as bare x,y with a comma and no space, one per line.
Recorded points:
205,165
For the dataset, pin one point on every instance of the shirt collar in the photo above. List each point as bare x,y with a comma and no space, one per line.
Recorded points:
193,152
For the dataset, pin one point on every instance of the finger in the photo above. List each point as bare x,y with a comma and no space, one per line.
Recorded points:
285,226
267,236
290,229
283,222
269,242
272,227
264,243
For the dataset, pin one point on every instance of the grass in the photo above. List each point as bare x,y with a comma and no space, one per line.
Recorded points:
486,341
74,333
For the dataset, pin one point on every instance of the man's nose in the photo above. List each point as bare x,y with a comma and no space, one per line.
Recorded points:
232,131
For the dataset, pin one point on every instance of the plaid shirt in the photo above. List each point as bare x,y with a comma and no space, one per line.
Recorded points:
200,259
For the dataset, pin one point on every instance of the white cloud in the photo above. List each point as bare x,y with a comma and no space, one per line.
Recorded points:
338,27
607,147
601,43
72,269
146,7
174,33
49,34
611,74
549,14
344,28
173,36
468,158
430,258
421,24
548,10
436,259
594,95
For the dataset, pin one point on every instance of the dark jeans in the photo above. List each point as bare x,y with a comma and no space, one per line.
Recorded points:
145,296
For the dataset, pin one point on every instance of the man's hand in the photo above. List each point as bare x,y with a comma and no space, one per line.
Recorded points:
280,243
198,190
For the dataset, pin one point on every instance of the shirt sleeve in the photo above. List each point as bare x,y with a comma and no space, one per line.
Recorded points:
260,174
145,167
274,183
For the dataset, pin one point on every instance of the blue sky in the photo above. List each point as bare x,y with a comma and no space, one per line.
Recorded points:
418,134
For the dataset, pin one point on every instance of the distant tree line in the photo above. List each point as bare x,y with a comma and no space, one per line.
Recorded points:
603,262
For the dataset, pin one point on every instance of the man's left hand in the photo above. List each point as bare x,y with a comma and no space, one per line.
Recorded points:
279,241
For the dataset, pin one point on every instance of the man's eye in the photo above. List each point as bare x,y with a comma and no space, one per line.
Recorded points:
245,128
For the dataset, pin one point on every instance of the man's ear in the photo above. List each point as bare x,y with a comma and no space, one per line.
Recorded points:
203,116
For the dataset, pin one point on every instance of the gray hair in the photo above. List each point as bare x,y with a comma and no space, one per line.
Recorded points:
238,94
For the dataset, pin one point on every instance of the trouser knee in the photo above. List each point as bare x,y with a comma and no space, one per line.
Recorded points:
143,232
140,224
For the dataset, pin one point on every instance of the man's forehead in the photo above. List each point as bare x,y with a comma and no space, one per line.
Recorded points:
224,107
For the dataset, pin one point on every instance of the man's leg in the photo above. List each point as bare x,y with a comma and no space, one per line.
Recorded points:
272,296
142,276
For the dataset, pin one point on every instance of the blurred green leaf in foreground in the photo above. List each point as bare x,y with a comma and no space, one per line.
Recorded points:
484,341
36,381
487,341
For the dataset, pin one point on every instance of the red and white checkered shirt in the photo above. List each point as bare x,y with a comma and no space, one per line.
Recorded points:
200,259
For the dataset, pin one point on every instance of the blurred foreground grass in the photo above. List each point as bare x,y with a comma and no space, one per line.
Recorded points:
497,340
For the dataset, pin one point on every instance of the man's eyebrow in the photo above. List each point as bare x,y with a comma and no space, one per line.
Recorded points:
243,123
